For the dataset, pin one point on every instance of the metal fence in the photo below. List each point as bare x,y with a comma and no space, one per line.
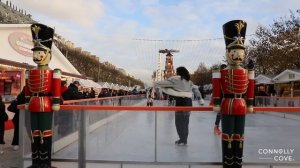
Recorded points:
107,133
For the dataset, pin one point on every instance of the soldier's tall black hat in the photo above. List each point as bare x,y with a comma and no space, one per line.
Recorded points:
234,34
42,37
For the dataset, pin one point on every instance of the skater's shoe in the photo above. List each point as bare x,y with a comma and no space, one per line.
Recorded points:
46,166
1,149
217,131
34,166
180,142
15,147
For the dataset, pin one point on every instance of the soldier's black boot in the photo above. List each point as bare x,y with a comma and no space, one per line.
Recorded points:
238,153
227,154
35,152
45,152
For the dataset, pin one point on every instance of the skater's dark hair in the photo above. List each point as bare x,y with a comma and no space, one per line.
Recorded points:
183,73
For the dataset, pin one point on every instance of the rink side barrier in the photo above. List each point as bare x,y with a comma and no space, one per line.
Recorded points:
168,109
66,106
83,125
102,98
69,105
171,109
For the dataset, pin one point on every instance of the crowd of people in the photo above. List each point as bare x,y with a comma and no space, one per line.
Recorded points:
72,92
76,91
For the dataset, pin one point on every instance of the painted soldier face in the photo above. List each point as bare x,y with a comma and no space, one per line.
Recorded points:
41,57
235,56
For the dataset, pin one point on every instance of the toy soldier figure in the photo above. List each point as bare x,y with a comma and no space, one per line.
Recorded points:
237,86
42,94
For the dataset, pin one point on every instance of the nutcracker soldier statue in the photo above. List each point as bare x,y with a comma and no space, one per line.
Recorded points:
42,95
236,84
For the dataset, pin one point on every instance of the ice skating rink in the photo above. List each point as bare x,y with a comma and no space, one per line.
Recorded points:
150,137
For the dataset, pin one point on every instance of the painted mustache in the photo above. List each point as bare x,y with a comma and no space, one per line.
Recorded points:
36,59
237,59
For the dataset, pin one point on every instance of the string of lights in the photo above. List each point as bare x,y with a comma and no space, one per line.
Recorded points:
185,40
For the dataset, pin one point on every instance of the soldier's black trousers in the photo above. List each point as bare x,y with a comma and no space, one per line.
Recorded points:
232,140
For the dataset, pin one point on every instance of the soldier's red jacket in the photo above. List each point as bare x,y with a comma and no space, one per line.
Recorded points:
237,87
42,89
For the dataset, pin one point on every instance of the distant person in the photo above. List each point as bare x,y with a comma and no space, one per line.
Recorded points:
20,100
261,97
150,96
181,89
114,93
134,91
104,93
72,93
3,118
171,100
121,92
92,93
86,93
217,130
201,90
64,87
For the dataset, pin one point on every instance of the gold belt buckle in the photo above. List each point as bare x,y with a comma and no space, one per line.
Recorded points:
237,96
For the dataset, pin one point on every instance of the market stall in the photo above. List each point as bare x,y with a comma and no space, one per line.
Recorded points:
265,83
287,83
16,57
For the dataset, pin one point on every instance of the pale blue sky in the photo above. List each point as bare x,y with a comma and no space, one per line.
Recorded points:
106,27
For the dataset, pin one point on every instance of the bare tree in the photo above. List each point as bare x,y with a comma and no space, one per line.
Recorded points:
202,75
277,48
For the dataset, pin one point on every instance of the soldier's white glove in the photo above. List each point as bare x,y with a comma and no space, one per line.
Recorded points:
55,107
216,109
201,102
250,109
26,106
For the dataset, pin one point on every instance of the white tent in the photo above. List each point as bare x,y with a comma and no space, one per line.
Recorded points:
116,87
94,84
287,75
112,85
130,88
263,79
104,84
122,87
16,44
85,83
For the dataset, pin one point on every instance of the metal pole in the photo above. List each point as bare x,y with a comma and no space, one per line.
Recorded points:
98,75
155,137
22,132
83,116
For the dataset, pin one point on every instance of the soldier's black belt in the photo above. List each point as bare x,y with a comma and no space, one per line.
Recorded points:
233,96
40,94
